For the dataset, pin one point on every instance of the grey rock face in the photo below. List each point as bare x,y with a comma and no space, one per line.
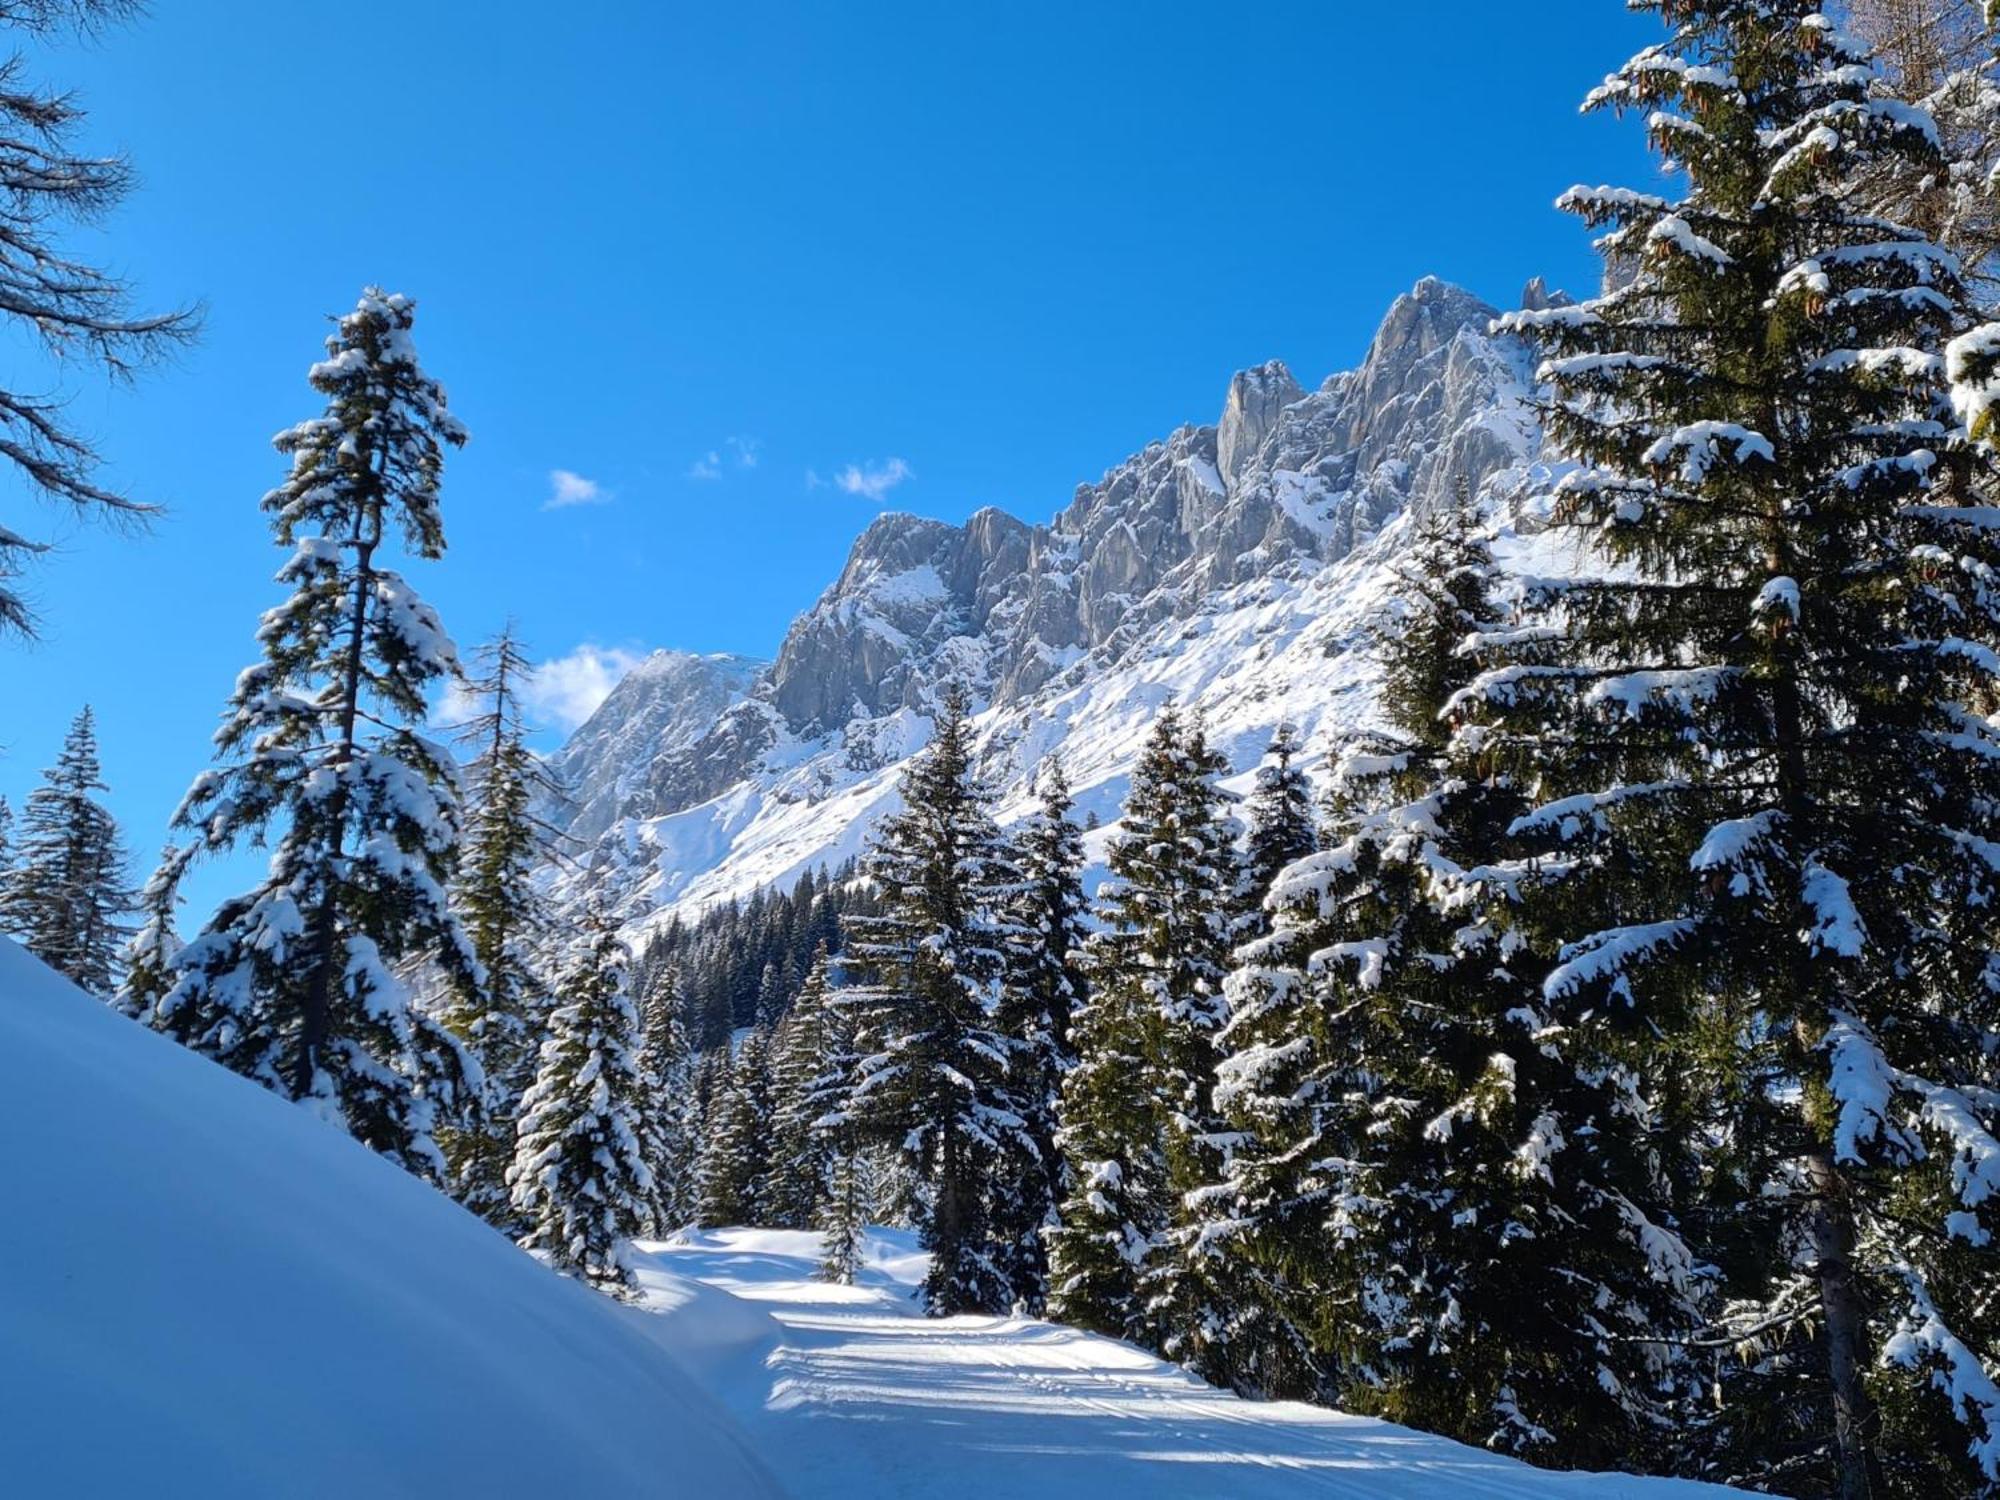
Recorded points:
662,707
1285,479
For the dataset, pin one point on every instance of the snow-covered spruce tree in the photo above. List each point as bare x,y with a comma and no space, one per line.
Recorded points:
1768,728
940,1085
296,982
499,909
1167,912
797,1182
66,898
579,1180
1444,1183
670,1125
1042,987
841,1215
736,1152
149,955
73,309
1280,817
1107,1129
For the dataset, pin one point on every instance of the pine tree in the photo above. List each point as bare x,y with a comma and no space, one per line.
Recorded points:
671,1123
149,956
1281,819
1761,748
1043,987
798,1180
939,1083
841,1215
1107,1131
50,296
1475,1155
1139,1122
66,898
579,1180
296,983
736,1151
497,906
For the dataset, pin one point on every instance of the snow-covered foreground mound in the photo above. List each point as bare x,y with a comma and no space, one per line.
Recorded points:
846,1391
206,1292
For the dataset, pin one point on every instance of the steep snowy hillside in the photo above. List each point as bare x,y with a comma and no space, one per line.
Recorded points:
850,1393
1234,566
204,1291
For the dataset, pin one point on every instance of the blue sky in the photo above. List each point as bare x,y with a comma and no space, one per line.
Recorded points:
708,260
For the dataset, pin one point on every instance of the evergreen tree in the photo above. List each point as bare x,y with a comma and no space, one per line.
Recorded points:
841,1215
736,1151
1504,1254
1107,1131
939,1084
1761,749
1281,819
494,899
1043,987
798,1180
671,1123
66,897
149,956
1139,1122
295,983
579,1179
49,296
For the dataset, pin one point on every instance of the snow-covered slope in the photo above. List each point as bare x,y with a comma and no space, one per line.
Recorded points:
1234,566
848,1392
205,1291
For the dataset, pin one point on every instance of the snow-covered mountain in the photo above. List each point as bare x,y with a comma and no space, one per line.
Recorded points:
1234,566
663,706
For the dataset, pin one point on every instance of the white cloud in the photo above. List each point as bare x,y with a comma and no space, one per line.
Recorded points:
872,480
566,690
708,466
745,449
566,488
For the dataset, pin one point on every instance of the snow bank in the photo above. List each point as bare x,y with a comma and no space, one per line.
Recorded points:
205,1291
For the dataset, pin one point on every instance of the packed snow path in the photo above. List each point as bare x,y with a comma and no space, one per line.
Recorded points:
848,1391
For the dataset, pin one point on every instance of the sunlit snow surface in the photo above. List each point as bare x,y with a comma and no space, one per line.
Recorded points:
848,1391
206,1291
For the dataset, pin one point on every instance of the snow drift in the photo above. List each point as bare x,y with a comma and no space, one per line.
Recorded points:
206,1291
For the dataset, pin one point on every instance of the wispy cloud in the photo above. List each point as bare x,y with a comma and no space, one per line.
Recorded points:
565,690
871,480
742,453
567,487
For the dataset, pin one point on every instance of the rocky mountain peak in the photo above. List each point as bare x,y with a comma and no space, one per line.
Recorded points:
1286,484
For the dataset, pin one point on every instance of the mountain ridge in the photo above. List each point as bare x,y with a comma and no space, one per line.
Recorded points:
1239,536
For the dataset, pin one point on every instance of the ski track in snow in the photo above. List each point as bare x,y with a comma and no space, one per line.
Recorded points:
849,1390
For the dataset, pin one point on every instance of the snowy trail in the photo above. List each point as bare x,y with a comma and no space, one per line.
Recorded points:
847,1390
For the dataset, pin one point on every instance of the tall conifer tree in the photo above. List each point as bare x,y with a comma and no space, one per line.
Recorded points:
297,982
940,1085
579,1179
66,896
736,1149
1042,989
498,907
1761,742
